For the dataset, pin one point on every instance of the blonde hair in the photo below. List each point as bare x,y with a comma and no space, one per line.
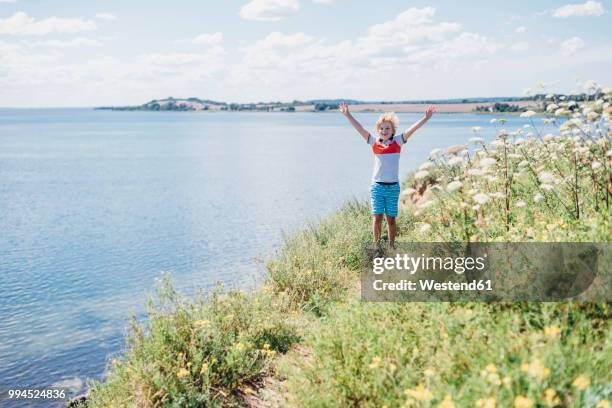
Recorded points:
390,117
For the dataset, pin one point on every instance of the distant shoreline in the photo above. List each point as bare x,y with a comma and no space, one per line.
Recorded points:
469,107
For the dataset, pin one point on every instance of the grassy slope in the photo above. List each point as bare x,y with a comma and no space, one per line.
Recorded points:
212,351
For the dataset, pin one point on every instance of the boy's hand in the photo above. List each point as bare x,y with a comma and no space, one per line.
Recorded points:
344,108
430,111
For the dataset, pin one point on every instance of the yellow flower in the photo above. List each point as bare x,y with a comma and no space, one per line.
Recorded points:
507,381
522,402
415,351
375,362
536,369
581,382
392,367
429,372
550,396
603,404
447,403
182,373
486,402
491,368
239,346
420,393
201,323
204,368
552,331
266,346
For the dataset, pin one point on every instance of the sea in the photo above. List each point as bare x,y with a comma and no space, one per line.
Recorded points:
97,206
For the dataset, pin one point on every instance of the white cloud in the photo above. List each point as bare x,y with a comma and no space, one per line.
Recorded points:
412,41
8,1
268,10
520,29
324,1
75,42
590,8
571,46
22,24
208,39
106,16
520,46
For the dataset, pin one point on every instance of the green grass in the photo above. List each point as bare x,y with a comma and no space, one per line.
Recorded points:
210,351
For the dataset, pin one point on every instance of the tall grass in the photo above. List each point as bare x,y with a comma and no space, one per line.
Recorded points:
523,186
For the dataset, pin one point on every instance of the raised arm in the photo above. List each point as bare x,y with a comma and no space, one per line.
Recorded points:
428,114
345,111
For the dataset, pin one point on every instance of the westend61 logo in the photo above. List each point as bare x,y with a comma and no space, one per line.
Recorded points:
515,271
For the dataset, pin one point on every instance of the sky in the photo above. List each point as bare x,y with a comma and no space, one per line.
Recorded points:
114,52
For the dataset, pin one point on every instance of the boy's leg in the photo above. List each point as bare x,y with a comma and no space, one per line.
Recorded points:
391,201
377,202
391,230
377,226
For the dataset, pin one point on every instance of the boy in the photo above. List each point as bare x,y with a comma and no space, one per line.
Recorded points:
385,190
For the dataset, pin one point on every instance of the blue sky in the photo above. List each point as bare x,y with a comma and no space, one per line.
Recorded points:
86,53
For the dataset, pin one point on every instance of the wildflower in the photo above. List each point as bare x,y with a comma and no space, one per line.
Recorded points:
392,367
546,177
547,187
455,161
496,143
429,372
519,141
375,362
476,128
408,191
424,228
493,120
475,172
204,368
523,163
538,197
609,153
551,398
425,204
552,331
522,402
481,198
552,107
581,382
475,140
527,114
425,165
595,165
560,112
239,346
453,186
447,403
536,369
603,404
183,372
514,156
486,402
415,351
435,152
487,162
420,393
201,323
548,138
421,174
521,204
498,194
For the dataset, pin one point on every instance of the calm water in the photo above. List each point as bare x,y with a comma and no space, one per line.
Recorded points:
95,205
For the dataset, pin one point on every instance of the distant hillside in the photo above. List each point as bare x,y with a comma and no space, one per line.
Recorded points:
319,105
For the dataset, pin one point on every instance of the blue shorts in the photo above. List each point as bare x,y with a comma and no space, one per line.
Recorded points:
384,198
